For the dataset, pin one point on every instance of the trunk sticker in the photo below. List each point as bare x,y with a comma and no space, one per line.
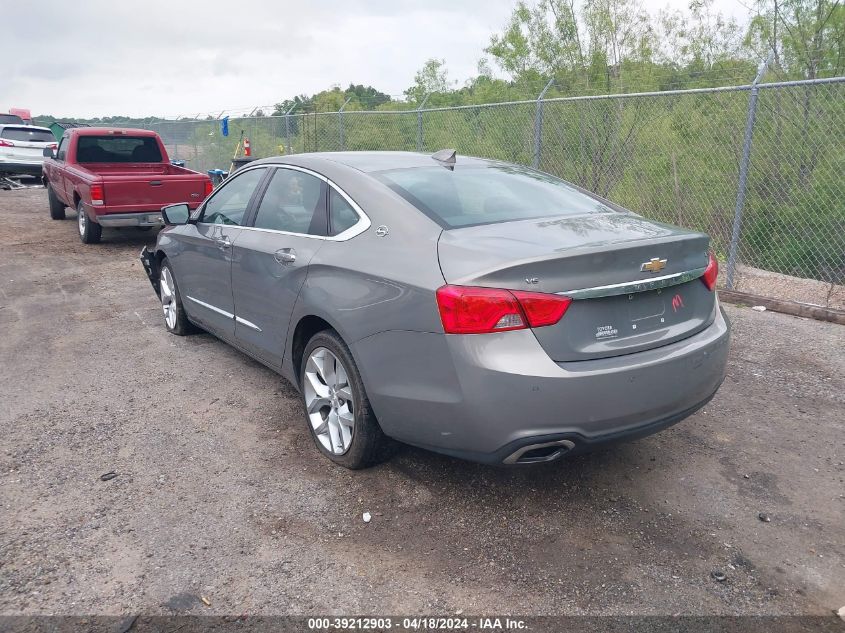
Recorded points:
605,332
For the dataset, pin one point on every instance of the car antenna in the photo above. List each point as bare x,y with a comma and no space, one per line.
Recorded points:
446,157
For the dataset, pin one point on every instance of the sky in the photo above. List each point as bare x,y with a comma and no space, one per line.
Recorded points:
184,57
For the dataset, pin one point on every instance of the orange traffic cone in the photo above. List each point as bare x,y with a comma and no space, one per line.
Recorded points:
247,150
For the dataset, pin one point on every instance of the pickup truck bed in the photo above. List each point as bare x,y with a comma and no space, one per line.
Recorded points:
115,178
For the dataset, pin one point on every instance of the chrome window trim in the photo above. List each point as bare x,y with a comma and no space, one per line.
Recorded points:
356,229
629,287
359,227
248,324
228,315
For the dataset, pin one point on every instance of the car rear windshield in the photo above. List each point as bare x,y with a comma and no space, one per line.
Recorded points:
468,196
10,118
117,149
27,134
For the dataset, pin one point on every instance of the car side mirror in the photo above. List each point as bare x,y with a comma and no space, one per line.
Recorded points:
49,152
174,214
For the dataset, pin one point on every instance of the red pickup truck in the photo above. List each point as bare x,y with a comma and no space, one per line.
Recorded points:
115,178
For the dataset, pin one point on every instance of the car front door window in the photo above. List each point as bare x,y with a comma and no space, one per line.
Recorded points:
229,205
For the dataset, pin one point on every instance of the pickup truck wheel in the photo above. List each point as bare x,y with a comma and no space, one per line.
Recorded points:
175,319
89,232
57,208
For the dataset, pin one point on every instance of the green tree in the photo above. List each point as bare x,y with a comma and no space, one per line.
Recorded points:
431,78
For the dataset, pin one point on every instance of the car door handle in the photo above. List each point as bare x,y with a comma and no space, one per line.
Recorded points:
285,256
223,243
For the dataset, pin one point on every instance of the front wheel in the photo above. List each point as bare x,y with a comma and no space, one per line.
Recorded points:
57,208
340,418
175,319
89,232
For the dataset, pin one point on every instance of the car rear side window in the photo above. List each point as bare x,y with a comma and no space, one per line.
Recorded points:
27,134
294,203
117,148
342,215
229,203
468,196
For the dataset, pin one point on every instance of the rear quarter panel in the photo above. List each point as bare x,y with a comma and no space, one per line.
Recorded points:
370,284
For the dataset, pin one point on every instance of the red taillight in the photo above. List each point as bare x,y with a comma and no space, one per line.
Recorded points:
472,310
52,146
97,193
711,273
542,309
5,143
208,188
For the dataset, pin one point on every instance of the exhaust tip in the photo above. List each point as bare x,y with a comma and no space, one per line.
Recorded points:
539,453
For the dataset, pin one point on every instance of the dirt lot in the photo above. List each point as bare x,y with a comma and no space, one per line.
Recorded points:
220,492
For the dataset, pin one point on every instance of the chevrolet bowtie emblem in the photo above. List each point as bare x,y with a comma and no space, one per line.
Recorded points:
654,265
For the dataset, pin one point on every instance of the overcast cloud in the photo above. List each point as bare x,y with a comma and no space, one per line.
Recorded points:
108,57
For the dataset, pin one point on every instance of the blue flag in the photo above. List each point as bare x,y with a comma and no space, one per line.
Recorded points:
224,126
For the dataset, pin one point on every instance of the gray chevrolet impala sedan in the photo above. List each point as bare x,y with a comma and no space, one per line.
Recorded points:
472,307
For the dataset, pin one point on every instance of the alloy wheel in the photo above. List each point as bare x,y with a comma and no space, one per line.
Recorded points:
329,401
168,297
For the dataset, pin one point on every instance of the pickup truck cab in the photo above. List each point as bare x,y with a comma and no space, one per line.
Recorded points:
116,178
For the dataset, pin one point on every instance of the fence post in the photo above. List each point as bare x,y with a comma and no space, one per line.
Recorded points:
287,128
538,126
340,123
419,123
743,172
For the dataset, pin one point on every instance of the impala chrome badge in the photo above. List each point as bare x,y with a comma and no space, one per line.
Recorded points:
654,265
382,231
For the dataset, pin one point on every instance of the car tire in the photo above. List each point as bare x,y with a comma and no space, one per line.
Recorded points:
359,446
89,232
175,319
57,208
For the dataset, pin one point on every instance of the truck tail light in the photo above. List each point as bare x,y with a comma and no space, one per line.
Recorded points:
711,273
208,188
473,310
5,143
97,197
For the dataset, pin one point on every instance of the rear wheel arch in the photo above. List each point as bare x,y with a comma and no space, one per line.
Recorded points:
366,443
306,328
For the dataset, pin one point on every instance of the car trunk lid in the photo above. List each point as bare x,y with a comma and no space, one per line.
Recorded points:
634,282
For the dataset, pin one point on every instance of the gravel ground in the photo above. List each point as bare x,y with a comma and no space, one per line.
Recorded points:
220,493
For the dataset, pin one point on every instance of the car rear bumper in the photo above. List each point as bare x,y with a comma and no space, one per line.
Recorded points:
145,218
487,397
17,167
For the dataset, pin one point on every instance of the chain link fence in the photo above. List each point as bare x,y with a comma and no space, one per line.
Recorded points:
760,168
